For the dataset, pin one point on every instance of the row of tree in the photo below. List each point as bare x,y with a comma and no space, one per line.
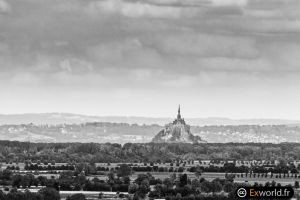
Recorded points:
232,168
49,167
46,193
147,152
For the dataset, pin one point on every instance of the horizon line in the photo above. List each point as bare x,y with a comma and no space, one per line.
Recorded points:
139,116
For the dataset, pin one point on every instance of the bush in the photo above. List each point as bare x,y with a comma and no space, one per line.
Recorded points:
76,197
49,193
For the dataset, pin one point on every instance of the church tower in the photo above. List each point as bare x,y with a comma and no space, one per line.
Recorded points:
179,120
179,115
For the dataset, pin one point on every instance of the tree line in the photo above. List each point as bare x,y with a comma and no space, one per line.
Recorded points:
11,151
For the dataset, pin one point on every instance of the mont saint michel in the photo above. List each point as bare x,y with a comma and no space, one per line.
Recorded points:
177,132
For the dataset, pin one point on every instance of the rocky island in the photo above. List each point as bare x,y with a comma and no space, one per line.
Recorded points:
177,132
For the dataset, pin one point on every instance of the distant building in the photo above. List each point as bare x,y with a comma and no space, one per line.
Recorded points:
177,132
179,120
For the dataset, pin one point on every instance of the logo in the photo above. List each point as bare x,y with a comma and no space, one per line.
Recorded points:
242,192
265,192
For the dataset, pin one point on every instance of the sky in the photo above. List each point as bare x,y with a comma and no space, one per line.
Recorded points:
217,58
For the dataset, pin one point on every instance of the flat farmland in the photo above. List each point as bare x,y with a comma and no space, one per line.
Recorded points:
163,175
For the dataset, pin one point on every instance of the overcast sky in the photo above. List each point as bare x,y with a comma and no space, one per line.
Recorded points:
217,58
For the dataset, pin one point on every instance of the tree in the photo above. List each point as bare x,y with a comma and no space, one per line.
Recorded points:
143,189
141,178
49,193
178,196
186,190
173,177
2,195
267,184
25,181
229,186
192,196
126,179
205,186
273,183
100,196
183,180
80,180
230,177
158,190
14,194
66,175
216,186
167,182
133,188
42,180
198,172
124,170
32,196
6,174
16,180
195,184
76,197
297,184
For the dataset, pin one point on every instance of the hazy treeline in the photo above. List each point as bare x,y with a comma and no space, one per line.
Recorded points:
124,133
146,152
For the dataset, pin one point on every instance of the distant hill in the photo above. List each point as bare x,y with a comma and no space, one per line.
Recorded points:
64,127
126,133
67,118
87,132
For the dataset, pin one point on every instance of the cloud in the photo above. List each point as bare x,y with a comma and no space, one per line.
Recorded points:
229,2
205,45
65,65
134,9
202,49
74,65
4,7
25,78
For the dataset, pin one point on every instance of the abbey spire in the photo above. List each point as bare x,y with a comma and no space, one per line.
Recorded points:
178,115
179,119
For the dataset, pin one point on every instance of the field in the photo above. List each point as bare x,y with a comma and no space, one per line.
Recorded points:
159,171
162,175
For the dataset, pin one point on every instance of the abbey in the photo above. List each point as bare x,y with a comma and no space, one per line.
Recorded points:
176,132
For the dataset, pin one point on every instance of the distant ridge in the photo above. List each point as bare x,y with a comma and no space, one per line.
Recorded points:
69,118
